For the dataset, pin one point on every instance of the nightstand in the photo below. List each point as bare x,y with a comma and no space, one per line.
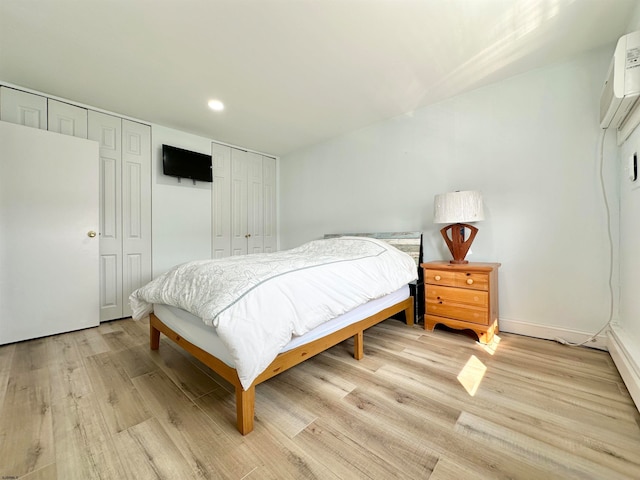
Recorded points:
462,296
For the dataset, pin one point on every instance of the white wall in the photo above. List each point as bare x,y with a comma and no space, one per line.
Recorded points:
529,143
626,332
625,336
181,212
630,235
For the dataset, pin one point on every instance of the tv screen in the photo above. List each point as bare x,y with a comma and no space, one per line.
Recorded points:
177,162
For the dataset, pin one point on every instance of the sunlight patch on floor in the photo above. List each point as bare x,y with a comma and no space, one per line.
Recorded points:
491,348
472,374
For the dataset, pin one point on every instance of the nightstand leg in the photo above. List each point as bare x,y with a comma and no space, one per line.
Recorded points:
486,336
429,326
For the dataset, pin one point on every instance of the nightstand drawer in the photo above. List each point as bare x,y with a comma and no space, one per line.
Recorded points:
473,280
438,294
468,313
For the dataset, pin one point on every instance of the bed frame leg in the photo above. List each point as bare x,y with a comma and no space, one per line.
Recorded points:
410,313
358,345
154,337
245,408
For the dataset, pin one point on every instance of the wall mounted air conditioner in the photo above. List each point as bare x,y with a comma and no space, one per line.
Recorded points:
622,87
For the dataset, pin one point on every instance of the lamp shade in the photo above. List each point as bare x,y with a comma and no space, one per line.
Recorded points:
458,207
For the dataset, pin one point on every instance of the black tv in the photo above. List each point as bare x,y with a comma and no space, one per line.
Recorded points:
181,163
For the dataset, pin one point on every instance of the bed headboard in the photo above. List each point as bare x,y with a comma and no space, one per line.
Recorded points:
409,242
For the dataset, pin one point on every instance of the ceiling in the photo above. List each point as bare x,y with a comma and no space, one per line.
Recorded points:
291,73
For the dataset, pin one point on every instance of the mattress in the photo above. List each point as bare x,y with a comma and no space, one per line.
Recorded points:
194,330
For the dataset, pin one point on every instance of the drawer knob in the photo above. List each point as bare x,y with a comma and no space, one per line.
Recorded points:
437,278
469,281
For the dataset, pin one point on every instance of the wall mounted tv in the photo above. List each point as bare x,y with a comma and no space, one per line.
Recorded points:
177,162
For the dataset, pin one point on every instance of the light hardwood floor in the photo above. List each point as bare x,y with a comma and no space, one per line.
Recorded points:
99,404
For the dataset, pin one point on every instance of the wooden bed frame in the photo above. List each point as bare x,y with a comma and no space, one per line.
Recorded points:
409,242
245,399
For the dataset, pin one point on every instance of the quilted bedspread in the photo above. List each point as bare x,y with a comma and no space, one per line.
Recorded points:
257,302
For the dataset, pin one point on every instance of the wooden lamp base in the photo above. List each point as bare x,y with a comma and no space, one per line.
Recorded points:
454,237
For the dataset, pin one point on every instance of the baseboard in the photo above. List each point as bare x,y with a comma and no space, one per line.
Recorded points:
552,333
627,359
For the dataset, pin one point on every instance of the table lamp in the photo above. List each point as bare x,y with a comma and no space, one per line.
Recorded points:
458,208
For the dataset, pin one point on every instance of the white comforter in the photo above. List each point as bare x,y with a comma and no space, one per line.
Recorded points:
257,302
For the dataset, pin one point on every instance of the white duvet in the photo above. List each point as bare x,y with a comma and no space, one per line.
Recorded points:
257,302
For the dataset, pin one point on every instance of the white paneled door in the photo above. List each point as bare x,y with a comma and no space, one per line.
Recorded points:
125,210
221,200
24,108
107,131
48,224
269,204
255,204
66,119
136,209
239,232
243,202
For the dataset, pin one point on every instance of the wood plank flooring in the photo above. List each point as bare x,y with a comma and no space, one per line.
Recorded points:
420,405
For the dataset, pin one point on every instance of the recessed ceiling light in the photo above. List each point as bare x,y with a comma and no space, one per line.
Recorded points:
216,105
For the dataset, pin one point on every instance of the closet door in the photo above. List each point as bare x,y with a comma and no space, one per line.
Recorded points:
239,233
23,108
136,209
67,119
221,201
269,204
243,202
255,213
107,131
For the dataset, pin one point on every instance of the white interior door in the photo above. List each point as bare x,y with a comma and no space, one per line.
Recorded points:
239,231
66,119
136,209
270,227
48,206
221,200
255,212
24,108
107,131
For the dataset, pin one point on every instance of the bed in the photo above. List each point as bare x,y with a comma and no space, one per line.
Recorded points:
251,322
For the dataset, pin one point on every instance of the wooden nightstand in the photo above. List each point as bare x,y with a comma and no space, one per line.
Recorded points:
462,296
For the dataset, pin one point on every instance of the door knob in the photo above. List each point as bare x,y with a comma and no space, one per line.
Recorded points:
91,234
